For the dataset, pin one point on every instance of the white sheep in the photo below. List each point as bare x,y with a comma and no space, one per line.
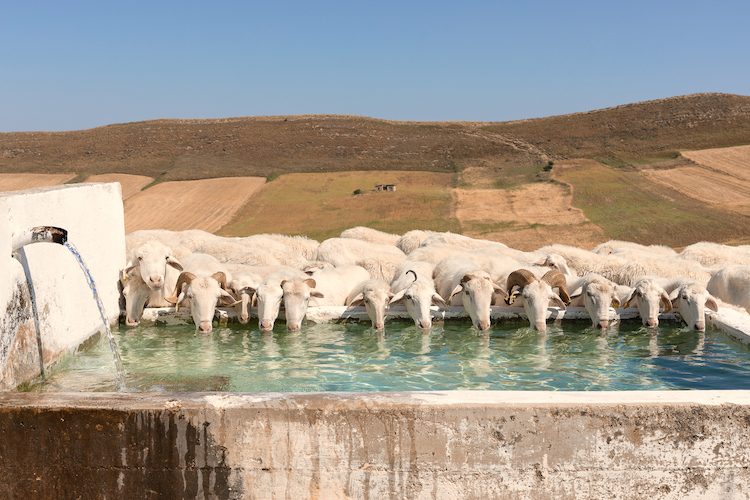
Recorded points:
336,283
435,253
612,245
714,255
690,299
243,286
135,292
731,284
372,235
597,294
203,284
457,275
649,296
375,295
233,252
189,238
536,294
458,241
271,292
666,267
584,262
413,285
411,240
346,251
304,245
283,253
154,263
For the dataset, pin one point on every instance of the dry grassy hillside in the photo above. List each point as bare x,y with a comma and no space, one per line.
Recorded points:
263,146
580,178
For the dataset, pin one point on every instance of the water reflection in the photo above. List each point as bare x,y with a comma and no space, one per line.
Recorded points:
354,357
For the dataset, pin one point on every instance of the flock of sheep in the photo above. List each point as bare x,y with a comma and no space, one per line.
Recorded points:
422,269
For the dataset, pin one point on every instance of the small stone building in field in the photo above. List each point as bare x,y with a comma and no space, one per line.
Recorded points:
385,187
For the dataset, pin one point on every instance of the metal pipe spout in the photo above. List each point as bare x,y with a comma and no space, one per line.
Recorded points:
39,234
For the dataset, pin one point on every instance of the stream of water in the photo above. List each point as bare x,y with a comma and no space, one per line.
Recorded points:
120,369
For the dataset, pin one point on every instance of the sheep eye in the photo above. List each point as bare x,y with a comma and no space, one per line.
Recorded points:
638,294
466,292
684,297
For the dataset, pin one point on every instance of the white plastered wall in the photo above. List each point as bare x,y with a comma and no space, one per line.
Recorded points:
67,311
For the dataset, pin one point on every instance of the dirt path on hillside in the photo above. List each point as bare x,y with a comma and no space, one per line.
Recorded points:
537,214
204,204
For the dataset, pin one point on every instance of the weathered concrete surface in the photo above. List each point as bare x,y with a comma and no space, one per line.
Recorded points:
66,313
442,445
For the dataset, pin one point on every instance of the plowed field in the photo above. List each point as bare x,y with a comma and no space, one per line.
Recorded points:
721,177
205,204
131,184
17,182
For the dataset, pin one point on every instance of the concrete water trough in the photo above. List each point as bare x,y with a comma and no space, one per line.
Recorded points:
452,444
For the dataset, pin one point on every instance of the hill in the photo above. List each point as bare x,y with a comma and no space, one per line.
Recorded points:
267,146
642,172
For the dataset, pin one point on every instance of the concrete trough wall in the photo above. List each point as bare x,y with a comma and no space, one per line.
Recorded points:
66,313
437,445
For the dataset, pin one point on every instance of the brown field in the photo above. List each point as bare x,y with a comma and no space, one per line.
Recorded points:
622,166
17,182
131,184
322,205
534,215
207,204
732,161
720,178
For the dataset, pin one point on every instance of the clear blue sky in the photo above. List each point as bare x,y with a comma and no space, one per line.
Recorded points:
81,64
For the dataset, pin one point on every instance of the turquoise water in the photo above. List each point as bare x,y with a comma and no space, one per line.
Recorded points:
354,357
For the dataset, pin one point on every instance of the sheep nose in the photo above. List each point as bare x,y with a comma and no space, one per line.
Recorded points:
131,322
602,325
244,318
266,325
426,324
540,326
651,323
293,326
205,327
700,326
378,326
483,325
156,280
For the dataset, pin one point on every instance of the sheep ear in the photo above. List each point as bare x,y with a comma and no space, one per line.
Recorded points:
316,294
615,303
397,297
557,300
456,291
438,301
498,289
627,302
227,300
254,299
174,263
668,304
310,282
712,304
358,300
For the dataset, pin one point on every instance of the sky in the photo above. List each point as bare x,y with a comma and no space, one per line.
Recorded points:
81,64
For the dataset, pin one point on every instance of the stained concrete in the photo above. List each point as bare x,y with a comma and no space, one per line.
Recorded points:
47,307
442,445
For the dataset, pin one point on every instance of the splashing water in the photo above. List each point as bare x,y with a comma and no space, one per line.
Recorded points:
112,344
